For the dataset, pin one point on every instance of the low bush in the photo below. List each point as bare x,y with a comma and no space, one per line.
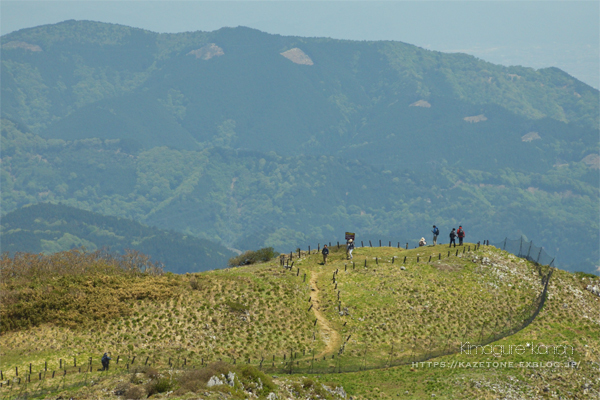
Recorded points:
135,393
160,385
253,257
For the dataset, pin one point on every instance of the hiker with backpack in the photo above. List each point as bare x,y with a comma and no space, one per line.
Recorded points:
105,362
435,232
461,235
453,237
349,248
325,253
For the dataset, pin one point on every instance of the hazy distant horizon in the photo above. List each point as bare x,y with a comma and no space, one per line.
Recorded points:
536,34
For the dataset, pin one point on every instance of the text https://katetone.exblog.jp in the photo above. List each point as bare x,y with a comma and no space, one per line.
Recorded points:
506,350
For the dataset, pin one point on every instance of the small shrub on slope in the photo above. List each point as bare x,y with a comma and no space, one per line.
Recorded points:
253,257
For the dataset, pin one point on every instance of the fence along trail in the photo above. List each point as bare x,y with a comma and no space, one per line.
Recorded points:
332,338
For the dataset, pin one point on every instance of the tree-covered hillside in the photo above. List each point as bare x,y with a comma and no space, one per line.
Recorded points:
249,199
49,228
251,139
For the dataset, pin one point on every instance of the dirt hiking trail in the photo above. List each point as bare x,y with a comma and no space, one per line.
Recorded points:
331,337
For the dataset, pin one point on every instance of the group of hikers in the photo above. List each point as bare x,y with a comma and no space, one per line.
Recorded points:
349,248
460,234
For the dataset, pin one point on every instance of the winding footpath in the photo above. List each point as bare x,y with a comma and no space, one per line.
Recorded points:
330,336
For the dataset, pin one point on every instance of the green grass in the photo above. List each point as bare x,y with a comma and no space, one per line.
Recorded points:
262,311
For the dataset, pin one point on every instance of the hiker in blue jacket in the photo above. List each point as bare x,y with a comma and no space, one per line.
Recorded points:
105,362
435,232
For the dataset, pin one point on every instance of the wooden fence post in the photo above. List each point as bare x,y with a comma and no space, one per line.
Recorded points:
406,246
370,244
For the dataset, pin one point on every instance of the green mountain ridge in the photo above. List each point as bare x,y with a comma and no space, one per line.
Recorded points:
218,135
49,228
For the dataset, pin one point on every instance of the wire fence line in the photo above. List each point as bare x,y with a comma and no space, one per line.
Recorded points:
526,249
394,354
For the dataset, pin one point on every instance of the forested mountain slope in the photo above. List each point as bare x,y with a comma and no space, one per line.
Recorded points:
49,228
253,139
249,200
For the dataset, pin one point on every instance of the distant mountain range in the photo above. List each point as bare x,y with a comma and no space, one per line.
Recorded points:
251,139
49,228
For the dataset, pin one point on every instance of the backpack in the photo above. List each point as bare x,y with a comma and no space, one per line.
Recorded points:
436,231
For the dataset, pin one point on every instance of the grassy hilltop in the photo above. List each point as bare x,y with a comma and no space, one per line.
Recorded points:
172,333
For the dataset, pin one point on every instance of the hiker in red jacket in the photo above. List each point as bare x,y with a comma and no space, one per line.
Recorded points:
461,235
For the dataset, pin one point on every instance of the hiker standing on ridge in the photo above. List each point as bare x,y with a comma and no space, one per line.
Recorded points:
452,237
461,235
435,232
325,254
349,248
105,362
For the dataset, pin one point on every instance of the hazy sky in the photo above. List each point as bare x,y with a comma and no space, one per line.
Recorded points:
537,34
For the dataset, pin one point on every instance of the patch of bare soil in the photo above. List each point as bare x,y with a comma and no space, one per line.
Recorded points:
531,136
592,160
297,56
476,118
421,103
207,52
446,267
21,45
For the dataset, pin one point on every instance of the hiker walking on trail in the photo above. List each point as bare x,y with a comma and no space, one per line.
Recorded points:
435,232
105,362
461,235
349,248
453,237
325,254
